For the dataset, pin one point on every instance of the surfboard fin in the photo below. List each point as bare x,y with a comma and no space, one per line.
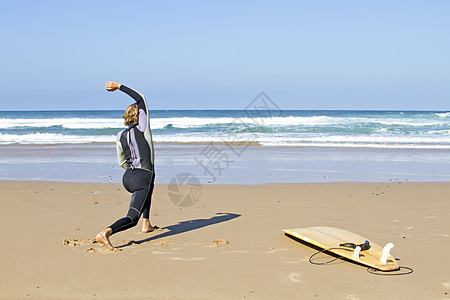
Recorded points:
386,252
356,252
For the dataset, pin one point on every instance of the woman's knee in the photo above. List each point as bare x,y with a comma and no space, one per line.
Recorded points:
134,216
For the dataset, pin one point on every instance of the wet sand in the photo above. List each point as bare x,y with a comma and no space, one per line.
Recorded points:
227,245
222,164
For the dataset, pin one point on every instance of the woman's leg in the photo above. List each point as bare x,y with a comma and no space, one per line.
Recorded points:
138,182
146,225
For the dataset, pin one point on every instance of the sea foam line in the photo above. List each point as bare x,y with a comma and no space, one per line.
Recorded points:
443,115
53,138
194,122
69,123
330,141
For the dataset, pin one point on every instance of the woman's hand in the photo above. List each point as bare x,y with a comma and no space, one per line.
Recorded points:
111,86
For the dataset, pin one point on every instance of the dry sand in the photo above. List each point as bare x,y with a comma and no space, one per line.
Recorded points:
229,245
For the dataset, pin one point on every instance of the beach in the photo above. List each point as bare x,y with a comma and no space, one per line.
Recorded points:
227,245
253,123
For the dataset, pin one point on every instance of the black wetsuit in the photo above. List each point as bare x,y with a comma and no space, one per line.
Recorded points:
135,153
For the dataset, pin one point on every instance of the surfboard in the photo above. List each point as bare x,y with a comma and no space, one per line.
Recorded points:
345,243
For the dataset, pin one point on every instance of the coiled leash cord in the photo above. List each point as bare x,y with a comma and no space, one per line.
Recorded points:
406,270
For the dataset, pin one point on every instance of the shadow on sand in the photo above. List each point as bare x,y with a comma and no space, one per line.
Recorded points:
186,226
324,258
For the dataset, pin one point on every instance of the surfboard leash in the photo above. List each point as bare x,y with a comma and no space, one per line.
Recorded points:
407,270
321,251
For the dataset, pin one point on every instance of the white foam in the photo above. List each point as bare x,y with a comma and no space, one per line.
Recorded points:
313,141
443,115
188,122
359,141
69,123
410,122
193,122
437,142
53,138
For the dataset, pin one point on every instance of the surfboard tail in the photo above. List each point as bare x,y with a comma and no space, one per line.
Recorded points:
386,252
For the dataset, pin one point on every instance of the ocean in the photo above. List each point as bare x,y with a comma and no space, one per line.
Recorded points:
368,129
233,146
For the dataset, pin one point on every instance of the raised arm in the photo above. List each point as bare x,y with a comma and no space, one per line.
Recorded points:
112,86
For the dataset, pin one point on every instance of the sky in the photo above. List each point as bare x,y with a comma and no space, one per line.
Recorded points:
306,55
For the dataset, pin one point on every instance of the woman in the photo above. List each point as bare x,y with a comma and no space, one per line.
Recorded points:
135,154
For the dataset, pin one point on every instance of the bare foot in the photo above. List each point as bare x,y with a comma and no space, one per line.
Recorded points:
147,227
103,237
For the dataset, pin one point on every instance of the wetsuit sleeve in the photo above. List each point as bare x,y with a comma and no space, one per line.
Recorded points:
138,97
142,105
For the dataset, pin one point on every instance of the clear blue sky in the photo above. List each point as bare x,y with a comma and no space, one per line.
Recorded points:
221,54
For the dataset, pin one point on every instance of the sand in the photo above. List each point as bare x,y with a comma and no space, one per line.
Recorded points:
228,245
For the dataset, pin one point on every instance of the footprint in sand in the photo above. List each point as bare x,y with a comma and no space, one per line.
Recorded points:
218,243
164,243
98,248
70,242
293,277
78,242
102,250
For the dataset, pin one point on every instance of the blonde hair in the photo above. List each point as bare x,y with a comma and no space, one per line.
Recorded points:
131,115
